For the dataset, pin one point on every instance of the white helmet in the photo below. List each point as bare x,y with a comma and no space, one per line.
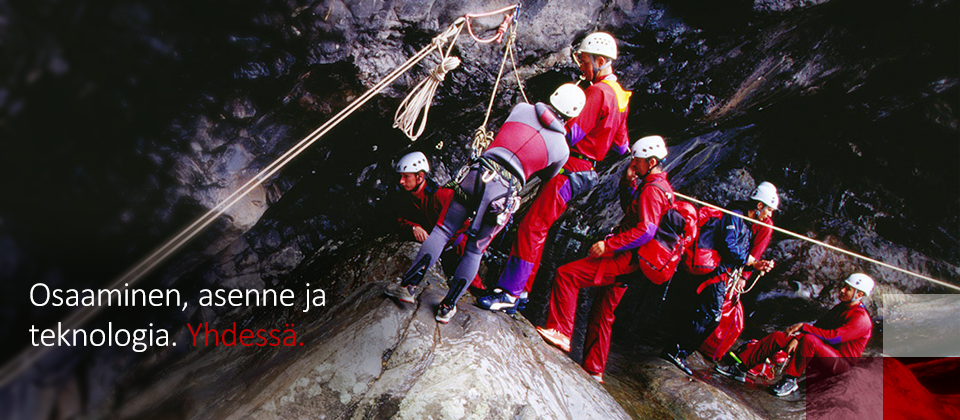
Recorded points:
412,163
649,146
568,99
599,43
766,193
861,282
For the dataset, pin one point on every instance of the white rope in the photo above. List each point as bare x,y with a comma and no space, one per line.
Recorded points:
77,318
516,73
482,138
420,98
825,245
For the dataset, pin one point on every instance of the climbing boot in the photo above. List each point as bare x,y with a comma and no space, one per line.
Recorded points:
499,300
597,377
788,385
445,312
733,371
556,338
679,359
522,302
402,293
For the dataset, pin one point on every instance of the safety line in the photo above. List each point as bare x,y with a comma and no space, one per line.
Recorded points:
823,244
29,355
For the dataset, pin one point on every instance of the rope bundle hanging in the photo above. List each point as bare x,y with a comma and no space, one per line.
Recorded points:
482,138
420,98
411,115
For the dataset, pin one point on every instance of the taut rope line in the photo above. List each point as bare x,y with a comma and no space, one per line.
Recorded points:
823,244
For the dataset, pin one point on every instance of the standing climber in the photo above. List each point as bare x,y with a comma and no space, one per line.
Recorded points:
832,345
734,239
601,125
531,142
645,197
731,318
421,207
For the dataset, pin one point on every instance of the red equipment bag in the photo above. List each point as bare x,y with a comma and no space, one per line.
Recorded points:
702,257
660,256
727,332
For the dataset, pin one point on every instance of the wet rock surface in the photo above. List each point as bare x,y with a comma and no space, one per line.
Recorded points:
369,356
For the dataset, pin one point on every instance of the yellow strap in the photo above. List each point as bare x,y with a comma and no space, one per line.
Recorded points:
623,96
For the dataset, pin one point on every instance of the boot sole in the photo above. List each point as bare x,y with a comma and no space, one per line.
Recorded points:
556,343
742,379
404,298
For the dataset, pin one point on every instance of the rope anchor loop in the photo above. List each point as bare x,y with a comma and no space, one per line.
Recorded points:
411,115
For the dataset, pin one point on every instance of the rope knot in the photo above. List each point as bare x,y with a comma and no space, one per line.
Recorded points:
440,71
481,139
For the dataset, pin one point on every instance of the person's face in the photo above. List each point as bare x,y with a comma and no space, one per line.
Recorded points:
848,293
409,181
763,212
585,62
640,167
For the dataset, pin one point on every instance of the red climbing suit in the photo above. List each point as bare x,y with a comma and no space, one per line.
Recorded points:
422,208
641,217
601,125
833,343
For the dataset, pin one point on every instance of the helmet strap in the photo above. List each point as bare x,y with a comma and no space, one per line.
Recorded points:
597,70
650,167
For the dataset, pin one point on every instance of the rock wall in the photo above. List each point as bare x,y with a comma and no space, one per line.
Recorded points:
368,356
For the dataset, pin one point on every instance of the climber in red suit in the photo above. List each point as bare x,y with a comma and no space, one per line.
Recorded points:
645,197
601,125
832,345
421,208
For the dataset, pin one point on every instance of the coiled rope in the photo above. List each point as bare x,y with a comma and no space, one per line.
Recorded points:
416,106
419,100
823,244
77,318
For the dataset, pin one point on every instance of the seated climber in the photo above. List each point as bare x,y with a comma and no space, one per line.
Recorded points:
698,305
645,196
831,346
421,206
530,143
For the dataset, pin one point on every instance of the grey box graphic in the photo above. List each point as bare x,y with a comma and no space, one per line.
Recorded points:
921,325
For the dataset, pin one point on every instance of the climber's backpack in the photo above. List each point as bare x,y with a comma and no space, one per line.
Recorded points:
660,256
702,257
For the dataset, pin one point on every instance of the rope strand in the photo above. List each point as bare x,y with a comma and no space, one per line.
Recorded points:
823,244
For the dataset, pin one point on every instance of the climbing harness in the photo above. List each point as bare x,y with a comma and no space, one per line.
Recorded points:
823,244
